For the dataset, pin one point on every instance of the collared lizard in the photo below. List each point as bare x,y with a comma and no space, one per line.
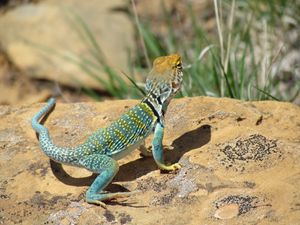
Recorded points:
100,152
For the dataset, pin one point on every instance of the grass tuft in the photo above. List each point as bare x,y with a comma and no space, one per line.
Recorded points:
242,61
240,58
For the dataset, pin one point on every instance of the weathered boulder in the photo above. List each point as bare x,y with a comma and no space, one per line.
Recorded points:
240,165
31,33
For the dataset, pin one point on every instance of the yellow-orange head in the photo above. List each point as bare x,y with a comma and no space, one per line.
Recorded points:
167,70
166,67
165,78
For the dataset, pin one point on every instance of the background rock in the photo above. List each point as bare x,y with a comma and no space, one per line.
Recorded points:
46,25
240,166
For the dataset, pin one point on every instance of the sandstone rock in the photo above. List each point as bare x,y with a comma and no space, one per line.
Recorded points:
240,166
45,26
227,211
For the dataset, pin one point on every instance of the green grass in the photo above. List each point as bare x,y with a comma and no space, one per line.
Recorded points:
236,61
117,84
239,59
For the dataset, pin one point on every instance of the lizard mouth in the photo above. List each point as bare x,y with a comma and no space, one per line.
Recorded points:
176,83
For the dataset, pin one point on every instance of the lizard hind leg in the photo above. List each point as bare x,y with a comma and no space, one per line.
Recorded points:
107,169
144,151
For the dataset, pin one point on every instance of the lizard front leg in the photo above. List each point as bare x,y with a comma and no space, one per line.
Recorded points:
157,149
107,169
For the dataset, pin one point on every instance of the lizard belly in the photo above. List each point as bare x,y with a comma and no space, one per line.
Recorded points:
121,153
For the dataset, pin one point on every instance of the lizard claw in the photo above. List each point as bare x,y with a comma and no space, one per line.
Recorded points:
97,202
176,166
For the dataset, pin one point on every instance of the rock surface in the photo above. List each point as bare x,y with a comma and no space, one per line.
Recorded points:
240,166
31,33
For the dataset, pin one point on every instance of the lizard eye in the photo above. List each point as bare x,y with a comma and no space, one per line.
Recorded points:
179,65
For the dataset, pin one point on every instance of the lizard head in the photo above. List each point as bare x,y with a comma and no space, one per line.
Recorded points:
166,75
164,81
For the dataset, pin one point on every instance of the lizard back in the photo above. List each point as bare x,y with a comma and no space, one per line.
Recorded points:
123,135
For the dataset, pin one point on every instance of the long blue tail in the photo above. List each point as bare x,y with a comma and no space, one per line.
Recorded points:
60,154
35,120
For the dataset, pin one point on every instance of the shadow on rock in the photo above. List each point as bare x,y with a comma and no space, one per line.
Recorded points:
189,141
137,168
186,142
65,178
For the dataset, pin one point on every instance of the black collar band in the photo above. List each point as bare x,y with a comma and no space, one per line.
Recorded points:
146,101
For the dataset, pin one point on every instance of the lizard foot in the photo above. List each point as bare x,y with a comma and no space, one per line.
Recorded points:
173,167
98,199
145,152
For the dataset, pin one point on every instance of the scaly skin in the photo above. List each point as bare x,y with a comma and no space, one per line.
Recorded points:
101,150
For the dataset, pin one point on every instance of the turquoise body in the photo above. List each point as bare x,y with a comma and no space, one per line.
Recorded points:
115,141
101,150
